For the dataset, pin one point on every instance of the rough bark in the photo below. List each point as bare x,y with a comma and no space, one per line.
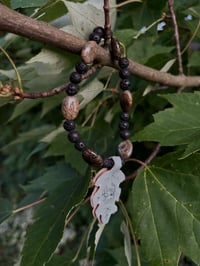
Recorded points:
14,22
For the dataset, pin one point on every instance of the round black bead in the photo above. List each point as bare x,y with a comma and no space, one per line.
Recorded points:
100,31
123,125
108,163
81,67
125,84
95,37
69,125
123,62
71,89
75,77
74,136
124,116
124,73
125,134
80,146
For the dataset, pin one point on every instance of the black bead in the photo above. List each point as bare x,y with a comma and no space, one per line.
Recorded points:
124,73
108,163
75,77
71,89
123,125
124,116
100,31
80,146
69,125
81,67
123,62
125,134
125,84
95,37
74,136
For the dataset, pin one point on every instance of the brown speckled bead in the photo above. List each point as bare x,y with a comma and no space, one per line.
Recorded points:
70,107
126,101
125,149
92,158
89,51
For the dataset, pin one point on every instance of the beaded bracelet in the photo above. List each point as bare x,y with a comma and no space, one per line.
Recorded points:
103,195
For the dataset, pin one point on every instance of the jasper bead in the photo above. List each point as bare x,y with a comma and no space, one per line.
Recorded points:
92,158
70,107
125,149
126,101
89,51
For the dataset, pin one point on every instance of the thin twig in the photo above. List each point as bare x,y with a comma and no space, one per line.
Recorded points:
143,164
176,36
44,94
108,31
29,205
130,225
36,95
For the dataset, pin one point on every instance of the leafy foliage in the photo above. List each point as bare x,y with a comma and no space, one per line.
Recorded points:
158,221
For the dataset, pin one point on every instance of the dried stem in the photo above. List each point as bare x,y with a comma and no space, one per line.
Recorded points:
36,95
143,164
108,31
176,36
29,205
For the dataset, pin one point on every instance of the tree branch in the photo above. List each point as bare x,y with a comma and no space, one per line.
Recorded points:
11,21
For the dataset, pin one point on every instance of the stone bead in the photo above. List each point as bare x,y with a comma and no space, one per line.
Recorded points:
108,163
125,149
74,136
125,134
92,158
89,51
123,125
70,107
126,101
69,125
80,146
124,116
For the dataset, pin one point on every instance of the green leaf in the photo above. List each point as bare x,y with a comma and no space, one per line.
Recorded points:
144,48
194,60
32,135
179,125
26,3
48,181
165,211
90,91
127,243
23,107
60,261
5,209
46,232
125,36
184,4
86,16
